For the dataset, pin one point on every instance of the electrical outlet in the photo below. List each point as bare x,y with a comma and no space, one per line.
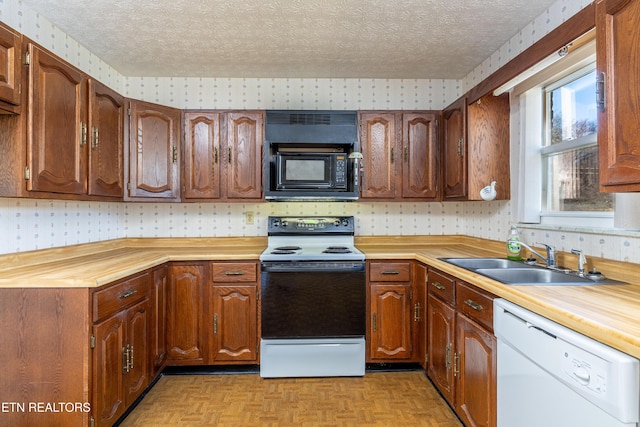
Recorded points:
248,217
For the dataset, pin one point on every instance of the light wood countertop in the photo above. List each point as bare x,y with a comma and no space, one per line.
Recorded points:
608,313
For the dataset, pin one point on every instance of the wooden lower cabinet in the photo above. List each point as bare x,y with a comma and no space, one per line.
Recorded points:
120,346
158,335
476,370
186,332
234,306
392,317
462,348
440,341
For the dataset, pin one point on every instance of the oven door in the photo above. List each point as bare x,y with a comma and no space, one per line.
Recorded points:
313,300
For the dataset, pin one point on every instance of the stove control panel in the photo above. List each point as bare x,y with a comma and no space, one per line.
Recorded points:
311,225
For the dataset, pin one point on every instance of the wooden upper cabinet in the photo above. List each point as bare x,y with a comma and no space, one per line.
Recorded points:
201,155
419,155
10,66
475,158
106,126
377,143
618,64
244,154
154,152
58,135
454,120
400,155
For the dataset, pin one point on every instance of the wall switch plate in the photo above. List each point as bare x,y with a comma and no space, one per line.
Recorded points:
248,217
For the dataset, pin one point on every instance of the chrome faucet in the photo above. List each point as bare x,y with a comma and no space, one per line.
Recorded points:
581,261
550,259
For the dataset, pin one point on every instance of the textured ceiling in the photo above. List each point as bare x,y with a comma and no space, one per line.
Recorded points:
292,38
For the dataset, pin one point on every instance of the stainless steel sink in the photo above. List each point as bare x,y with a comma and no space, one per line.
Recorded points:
518,273
533,276
476,263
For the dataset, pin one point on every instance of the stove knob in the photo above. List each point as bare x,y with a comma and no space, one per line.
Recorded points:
276,223
336,222
285,223
345,222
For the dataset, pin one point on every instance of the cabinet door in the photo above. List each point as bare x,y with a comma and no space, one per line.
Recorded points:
57,135
235,323
159,319
454,120
154,154
476,387
420,314
618,61
108,370
244,155
419,156
440,326
488,146
185,309
137,375
10,65
201,178
378,146
390,321
106,127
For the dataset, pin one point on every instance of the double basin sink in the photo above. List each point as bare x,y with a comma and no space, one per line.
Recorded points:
518,273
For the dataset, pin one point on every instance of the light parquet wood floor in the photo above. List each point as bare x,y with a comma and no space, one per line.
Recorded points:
377,399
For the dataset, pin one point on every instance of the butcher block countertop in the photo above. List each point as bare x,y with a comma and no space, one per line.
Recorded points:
608,313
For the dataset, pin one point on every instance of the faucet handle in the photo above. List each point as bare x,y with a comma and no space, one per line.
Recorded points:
551,254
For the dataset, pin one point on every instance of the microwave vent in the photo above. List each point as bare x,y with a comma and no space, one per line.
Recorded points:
311,126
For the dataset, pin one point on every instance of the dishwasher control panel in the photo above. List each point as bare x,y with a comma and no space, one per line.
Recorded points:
585,369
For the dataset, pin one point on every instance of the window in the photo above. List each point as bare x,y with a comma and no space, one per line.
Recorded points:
558,173
570,150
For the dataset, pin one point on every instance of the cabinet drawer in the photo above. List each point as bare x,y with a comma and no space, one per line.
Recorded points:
232,272
390,271
442,286
476,304
113,298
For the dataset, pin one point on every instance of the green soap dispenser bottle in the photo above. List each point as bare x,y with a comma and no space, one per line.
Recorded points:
513,244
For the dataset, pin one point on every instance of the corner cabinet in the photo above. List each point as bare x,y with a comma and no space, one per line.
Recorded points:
462,348
476,148
222,155
234,306
400,155
153,135
618,68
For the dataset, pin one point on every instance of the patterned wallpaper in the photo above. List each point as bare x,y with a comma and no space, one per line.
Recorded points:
35,224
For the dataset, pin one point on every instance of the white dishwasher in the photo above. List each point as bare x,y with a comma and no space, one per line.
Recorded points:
552,376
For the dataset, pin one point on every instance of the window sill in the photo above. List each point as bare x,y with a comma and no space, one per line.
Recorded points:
603,231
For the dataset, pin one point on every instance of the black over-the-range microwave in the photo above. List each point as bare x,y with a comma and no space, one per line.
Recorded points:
311,155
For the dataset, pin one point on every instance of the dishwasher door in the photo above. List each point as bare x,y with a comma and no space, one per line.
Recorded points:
551,376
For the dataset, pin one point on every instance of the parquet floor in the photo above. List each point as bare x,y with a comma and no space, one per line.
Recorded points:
377,399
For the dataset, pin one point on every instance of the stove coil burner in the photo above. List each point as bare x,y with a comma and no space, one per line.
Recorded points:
285,250
337,250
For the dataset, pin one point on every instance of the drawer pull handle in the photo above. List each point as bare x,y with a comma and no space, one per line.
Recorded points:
390,272
439,286
474,305
128,293
234,273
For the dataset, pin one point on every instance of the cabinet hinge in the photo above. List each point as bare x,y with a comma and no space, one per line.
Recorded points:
129,111
410,294
426,359
92,341
92,422
27,173
128,186
27,58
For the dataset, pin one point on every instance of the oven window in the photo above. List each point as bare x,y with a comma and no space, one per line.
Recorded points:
305,170
313,304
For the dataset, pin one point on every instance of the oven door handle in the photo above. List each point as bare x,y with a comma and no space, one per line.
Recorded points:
291,267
